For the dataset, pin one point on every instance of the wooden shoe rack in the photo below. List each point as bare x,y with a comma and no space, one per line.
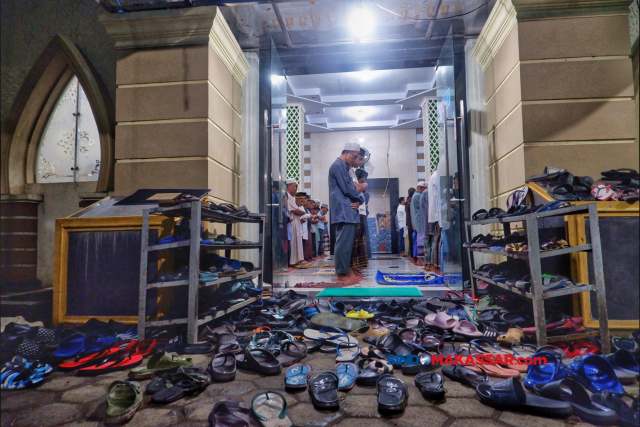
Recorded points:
533,257
196,214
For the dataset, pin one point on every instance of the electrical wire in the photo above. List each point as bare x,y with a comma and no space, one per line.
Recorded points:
431,19
388,169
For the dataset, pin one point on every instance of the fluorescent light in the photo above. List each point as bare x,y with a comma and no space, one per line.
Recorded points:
276,78
361,22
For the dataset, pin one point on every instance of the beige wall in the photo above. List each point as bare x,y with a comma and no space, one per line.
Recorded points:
399,144
560,92
178,113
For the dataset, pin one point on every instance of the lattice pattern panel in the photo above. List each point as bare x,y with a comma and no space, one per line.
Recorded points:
436,136
294,141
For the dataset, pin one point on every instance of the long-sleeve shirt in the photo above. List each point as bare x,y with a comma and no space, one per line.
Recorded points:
402,217
416,220
342,193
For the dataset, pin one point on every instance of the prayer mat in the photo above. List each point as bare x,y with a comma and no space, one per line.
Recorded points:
409,292
320,285
408,279
325,271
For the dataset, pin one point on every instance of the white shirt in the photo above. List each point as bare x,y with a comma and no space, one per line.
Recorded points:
402,217
434,211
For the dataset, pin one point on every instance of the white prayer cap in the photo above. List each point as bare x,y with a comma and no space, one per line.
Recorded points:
316,200
291,181
351,146
421,184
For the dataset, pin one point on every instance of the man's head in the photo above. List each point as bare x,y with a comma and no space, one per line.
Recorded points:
411,191
402,201
292,186
361,174
357,161
421,186
301,199
350,152
324,209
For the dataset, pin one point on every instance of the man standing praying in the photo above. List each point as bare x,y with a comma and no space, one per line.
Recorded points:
345,201
296,251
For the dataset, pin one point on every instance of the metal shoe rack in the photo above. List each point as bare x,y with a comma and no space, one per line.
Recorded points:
196,214
533,257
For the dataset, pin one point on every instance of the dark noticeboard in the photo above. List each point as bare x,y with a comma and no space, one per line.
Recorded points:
620,252
103,273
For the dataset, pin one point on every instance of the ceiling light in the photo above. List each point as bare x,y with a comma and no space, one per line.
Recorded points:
361,22
364,75
276,78
361,140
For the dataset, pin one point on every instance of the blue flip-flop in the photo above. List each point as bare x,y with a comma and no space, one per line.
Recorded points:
309,312
297,376
549,206
347,374
595,373
624,360
77,343
553,370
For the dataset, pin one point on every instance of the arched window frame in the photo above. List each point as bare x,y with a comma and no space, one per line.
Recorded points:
34,103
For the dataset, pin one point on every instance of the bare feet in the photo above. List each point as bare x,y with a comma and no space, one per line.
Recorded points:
343,278
305,262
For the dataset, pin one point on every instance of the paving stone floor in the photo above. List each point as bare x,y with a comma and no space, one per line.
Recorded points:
67,400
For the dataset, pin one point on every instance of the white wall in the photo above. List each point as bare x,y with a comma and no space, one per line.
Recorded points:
399,144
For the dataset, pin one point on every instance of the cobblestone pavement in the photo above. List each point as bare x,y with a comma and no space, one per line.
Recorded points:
67,400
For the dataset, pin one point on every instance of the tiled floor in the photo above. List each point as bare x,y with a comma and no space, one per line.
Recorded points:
385,263
65,399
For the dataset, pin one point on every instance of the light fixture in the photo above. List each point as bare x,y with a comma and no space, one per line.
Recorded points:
364,75
275,79
361,22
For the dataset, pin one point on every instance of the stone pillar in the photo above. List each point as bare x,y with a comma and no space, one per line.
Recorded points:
558,88
178,101
294,154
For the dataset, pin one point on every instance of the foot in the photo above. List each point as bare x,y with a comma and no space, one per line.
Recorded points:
343,278
305,262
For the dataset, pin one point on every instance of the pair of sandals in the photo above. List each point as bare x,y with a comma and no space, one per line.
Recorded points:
174,386
21,373
567,187
124,355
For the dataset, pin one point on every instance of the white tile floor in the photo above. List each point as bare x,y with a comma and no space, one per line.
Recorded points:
384,263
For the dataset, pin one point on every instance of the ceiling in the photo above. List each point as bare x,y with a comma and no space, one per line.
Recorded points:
370,99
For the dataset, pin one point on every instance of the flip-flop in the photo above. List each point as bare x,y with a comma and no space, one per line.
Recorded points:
509,394
297,376
369,370
230,413
347,352
270,409
182,384
323,390
463,375
78,343
116,362
347,374
568,390
431,385
91,357
392,392
627,416
329,335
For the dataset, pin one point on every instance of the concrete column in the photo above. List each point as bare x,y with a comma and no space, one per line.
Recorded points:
558,89
294,154
179,108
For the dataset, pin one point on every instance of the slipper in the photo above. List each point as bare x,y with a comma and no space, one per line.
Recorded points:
336,321
329,335
467,329
312,345
430,341
572,392
179,346
361,314
431,385
509,394
160,361
627,416
77,343
463,375
297,376
291,352
369,331
270,408
323,389
548,174
16,377
347,352
123,400
546,373
623,360
222,367
118,361
441,320
347,374
512,335
392,343
392,392
408,335
596,374
480,215
373,353
258,360
230,413
182,384
369,370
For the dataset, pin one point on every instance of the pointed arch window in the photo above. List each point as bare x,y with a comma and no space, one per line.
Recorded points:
69,149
